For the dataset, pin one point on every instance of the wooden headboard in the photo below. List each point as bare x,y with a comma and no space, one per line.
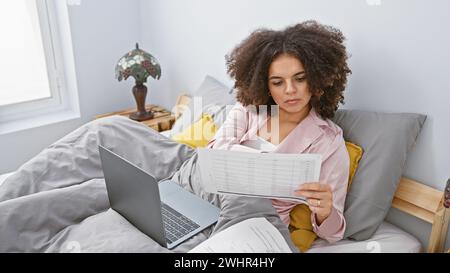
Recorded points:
426,203
411,197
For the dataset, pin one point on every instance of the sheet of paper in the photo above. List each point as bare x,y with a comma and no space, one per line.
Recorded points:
254,235
267,175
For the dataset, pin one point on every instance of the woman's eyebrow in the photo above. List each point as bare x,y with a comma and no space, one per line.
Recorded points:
278,77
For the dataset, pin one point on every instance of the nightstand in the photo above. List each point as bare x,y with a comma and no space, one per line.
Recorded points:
162,120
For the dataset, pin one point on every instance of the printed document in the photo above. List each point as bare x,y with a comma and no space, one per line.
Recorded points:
254,235
267,175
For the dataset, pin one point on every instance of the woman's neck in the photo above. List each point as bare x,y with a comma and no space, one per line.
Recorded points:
286,117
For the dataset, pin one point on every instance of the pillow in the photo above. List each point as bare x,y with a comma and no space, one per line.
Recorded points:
355,153
214,97
300,226
199,133
386,139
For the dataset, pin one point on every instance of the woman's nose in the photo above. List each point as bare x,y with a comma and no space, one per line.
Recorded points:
290,88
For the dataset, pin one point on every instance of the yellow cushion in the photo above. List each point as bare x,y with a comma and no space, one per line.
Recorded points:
300,227
355,153
199,133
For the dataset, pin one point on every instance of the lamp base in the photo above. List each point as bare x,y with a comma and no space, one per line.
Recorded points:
139,93
140,116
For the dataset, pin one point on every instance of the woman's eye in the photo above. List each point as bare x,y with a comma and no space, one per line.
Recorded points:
276,83
300,79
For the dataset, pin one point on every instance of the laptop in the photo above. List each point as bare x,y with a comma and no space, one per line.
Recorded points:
163,210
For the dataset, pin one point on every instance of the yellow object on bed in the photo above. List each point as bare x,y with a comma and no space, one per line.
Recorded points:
199,133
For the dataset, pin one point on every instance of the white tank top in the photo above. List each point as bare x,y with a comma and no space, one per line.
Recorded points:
259,144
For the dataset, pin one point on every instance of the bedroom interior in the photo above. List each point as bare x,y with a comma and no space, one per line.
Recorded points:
395,115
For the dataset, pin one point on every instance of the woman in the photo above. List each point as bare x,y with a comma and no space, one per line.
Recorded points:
303,71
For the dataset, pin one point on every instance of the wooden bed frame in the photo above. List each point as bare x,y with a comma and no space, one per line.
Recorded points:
411,197
426,203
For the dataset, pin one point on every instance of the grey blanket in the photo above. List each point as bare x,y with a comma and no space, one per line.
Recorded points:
57,201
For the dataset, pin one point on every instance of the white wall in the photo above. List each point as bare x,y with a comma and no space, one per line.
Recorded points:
102,31
400,56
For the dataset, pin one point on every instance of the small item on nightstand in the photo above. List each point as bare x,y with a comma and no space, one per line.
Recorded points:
138,64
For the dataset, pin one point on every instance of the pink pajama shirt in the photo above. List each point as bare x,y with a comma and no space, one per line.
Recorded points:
311,135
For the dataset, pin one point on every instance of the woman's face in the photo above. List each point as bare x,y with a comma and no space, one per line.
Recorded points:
287,84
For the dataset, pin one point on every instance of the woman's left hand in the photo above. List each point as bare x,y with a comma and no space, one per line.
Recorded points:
320,198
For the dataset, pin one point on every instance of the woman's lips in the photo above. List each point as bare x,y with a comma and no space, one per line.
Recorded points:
293,101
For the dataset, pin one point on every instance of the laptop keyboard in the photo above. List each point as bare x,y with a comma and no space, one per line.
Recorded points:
176,225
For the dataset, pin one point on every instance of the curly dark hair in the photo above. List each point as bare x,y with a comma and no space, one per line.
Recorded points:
319,48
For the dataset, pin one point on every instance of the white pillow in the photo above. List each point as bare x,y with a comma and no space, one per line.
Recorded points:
214,97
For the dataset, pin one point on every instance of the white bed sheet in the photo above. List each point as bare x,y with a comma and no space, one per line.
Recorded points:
387,239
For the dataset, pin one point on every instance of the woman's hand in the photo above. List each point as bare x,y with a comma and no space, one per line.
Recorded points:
319,197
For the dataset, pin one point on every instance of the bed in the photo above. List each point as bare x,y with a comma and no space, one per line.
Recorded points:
57,201
388,238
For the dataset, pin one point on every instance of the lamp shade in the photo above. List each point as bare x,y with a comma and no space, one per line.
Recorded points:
139,65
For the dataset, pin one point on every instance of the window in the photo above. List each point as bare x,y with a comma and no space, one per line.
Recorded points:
25,76
36,71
